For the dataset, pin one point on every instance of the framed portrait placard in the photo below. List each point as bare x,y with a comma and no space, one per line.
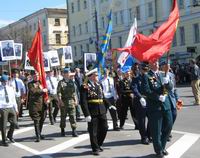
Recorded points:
2,62
46,61
18,50
67,52
27,64
89,60
53,58
7,50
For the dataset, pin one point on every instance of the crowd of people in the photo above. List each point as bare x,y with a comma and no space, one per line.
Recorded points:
148,90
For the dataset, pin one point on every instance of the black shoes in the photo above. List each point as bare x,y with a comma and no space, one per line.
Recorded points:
74,133
4,143
100,149
11,139
62,132
37,139
116,128
160,155
42,137
165,152
96,153
145,141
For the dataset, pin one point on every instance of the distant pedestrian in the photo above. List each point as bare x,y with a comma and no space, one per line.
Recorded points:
195,81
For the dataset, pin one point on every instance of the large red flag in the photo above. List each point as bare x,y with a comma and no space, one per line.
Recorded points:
152,47
35,55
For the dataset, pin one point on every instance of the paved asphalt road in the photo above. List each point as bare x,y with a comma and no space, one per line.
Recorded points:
118,144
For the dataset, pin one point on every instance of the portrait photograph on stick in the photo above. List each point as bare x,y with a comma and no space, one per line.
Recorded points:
89,60
18,50
53,58
7,50
67,52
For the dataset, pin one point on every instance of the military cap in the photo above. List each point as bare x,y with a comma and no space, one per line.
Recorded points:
91,72
144,65
15,70
66,70
4,78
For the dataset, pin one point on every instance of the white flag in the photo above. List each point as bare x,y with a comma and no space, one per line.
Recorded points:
131,37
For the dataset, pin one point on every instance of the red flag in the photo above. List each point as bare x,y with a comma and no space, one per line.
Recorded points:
152,47
36,58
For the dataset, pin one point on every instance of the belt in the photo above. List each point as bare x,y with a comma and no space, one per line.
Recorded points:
95,101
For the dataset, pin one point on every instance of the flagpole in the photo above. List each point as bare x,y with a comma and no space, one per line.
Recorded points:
9,68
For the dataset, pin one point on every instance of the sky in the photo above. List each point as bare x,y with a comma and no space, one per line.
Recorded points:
13,10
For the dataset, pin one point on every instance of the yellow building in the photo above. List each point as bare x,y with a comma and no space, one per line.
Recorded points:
149,13
54,29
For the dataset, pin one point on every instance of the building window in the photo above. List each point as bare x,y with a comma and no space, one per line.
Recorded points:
174,44
58,39
196,33
195,2
74,31
44,22
130,14
34,26
120,41
30,28
138,12
102,22
78,4
80,29
94,2
85,4
88,48
150,9
86,27
75,52
122,17
45,40
182,36
181,4
57,22
81,48
115,19
72,7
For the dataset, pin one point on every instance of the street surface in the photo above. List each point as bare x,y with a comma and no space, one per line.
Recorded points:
118,144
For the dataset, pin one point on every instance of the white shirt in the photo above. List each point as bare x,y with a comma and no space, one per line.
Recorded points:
52,89
109,92
11,96
20,85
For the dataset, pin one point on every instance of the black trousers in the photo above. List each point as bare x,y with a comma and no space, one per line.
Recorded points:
113,113
7,115
97,129
127,102
142,118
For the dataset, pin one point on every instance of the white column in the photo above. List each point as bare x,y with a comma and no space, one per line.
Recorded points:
166,8
187,9
126,13
143,11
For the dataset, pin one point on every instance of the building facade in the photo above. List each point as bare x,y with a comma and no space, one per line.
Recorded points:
150,14
54,29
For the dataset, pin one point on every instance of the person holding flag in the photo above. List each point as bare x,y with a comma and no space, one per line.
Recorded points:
37,95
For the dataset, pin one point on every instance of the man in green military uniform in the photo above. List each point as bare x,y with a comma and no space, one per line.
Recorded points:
66,91
36,105
155,86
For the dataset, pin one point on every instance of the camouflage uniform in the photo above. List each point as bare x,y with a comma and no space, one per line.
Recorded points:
67,93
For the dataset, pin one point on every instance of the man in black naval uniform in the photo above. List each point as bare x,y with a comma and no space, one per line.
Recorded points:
155,86
94,111
127,100
140,105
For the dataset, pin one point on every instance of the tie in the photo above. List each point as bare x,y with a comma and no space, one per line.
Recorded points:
6,94
109,88
16,86
51,83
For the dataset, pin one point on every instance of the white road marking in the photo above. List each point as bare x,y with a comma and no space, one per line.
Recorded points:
66,144
21,146
182,145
